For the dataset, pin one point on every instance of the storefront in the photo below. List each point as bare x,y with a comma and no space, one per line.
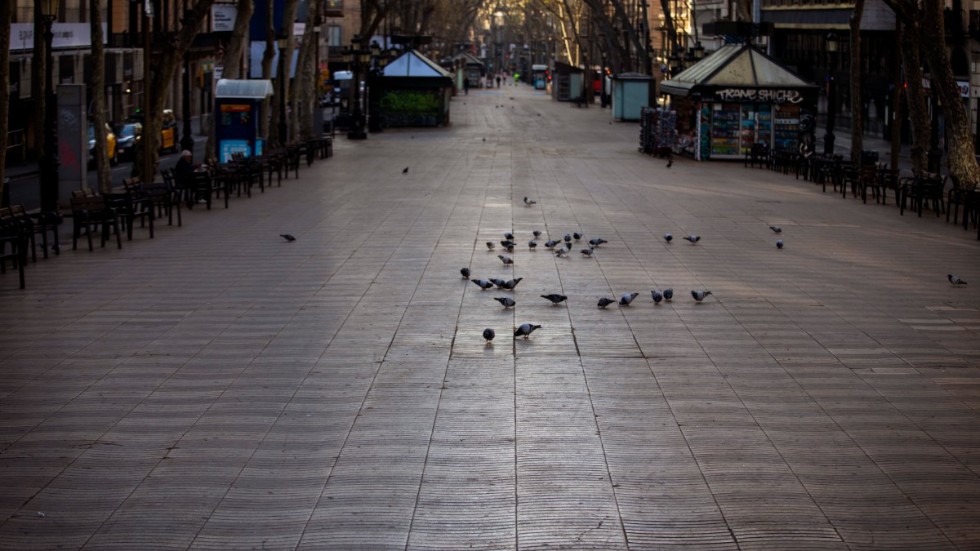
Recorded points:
735,98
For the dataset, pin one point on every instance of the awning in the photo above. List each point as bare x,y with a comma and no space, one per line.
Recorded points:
739,73
243,89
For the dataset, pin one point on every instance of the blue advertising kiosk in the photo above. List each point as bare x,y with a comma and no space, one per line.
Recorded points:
236,117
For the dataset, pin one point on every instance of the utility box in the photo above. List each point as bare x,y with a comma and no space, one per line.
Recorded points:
630,94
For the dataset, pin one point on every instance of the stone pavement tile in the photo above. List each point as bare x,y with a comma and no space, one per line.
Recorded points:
336,392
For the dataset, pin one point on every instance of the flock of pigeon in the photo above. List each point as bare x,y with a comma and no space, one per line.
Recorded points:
562,248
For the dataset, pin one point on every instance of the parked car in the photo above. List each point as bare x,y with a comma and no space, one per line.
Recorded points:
110,139
127,137
168,133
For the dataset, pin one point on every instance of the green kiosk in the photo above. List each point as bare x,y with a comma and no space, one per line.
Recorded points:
236,117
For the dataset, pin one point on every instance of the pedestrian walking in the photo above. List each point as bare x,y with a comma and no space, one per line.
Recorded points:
498,81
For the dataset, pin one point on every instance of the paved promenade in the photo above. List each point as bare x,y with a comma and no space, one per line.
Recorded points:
218,387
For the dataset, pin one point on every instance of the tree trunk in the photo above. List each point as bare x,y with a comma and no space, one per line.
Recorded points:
283,69
306,100
98,91
962,162
39,90
232,60
857,105
915,95
302,117
269,117
165,65
6,17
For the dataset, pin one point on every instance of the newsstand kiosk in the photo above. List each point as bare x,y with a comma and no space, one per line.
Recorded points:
735,98
236,117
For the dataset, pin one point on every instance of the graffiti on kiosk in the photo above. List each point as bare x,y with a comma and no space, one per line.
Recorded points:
765,96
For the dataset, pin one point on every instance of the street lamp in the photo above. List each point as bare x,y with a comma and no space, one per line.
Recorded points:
381,59
48,163
283,129
828,139
358,58
186,142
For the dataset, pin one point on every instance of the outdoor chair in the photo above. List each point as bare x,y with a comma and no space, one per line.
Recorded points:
919,191
13,247
966,196
90,213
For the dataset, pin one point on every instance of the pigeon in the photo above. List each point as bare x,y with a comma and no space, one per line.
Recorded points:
529,202
488,334
532,244
465,272
668,237
568,247
510,284
954,280
595,242
506,301
587,252
536,233
405,171
567,238
627,298
603,302
484,284
555,298
550,243
525,330
700,295
287,237
577,236
657,296
668,294
509,236
484,139
779,243
505,259
498,282
776,229
490,245
561,253
670,162
692,238
506,243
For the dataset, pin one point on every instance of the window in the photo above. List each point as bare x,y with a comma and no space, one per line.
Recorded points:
335,36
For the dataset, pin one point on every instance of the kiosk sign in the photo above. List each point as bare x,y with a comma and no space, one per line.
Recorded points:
750,95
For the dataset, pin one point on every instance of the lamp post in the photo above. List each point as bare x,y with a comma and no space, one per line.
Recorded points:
283,129
378,61
828,139
358,59
186,142
48,163
498,24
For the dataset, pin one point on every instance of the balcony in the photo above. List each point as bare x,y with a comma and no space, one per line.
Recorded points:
333,8
974,28
953,21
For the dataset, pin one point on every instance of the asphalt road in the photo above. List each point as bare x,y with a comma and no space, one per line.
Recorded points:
25,186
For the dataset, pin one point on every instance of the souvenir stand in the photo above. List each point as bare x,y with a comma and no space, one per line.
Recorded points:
735,98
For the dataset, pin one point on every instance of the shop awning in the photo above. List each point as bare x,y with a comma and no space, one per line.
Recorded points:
738,72
243,89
